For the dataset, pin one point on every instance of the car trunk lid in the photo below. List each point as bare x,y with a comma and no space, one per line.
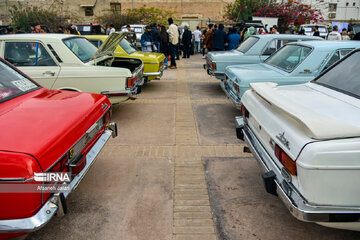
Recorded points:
109,45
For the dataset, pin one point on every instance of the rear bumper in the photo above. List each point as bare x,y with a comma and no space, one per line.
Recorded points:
156,74
230,95
56,204
293,200
211,72
126,93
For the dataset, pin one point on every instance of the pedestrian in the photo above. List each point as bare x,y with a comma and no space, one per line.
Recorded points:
186,41
60,29
197,39
19,30
301,32
155,35
146,41
173,41
334,35
203,35
344,35
234,39
250,32
220,38
209,38
261,31
243,33
107,30
274,30
316,31
164,44
112,29
71,30
38,29
130,36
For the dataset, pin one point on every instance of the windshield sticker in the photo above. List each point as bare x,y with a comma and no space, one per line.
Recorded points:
24,85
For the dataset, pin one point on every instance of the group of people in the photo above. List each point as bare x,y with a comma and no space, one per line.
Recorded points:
37,28
345,35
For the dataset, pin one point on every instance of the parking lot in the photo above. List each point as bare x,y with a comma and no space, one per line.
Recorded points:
177,171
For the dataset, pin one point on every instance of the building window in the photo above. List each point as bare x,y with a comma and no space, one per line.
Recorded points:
347,4
115,6
354,4
89,11
332,7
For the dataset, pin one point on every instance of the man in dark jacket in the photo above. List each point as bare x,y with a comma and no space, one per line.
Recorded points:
316,31
155,35
186,41
220,39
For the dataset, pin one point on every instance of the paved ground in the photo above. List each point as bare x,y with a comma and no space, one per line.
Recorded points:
149,182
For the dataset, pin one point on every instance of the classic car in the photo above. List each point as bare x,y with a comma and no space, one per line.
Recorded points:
139,29
309,29
44,132
306,139
154,63
255,49
69,62
295,63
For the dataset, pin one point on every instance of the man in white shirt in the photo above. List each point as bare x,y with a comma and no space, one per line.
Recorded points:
173,41
197,34
334,35
112,29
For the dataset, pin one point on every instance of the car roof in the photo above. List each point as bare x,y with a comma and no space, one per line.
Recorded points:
35,36
329,44
289,36
312,25
97,36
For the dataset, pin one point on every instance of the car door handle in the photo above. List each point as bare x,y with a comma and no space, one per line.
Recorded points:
49,73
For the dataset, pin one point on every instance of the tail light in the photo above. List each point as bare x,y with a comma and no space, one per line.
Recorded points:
107,116
236,87
244,111
213,65
285,160
131,81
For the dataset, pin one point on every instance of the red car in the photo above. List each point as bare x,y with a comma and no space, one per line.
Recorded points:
44,133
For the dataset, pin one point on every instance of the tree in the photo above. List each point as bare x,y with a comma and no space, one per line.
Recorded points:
25,16
245,9
141,15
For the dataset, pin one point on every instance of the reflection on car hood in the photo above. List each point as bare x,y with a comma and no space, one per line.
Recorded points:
109,45
225,55
148,56
252,72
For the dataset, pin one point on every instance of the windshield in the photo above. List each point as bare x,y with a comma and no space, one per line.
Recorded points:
13,83
124,44
344,76
81,47
245,46
288,57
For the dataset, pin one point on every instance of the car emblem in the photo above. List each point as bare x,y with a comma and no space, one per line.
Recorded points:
283,140
71,153
104,106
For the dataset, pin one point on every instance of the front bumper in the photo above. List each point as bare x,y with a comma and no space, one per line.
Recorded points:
56,203
232,97
293,200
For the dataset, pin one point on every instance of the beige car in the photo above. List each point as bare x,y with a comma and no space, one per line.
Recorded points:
70,62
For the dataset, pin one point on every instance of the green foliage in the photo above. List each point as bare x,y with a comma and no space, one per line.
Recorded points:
141,15
25,16
244,9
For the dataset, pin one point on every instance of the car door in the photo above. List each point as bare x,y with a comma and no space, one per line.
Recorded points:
33,58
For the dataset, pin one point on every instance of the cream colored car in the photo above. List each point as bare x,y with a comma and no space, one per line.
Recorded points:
70,62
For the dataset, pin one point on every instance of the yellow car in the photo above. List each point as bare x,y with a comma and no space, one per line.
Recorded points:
154,63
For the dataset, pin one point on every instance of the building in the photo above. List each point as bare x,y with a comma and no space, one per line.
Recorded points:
87,10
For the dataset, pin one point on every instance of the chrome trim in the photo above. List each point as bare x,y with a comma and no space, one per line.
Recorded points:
53,205
125,92
293,200
230,96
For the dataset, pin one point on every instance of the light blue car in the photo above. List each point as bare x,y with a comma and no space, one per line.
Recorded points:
255,49
294,63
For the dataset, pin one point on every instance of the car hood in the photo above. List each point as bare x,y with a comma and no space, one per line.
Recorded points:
109,45
246,73
148,57
224,55
309,105
47,123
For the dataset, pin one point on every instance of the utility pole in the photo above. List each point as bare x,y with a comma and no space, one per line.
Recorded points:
132,4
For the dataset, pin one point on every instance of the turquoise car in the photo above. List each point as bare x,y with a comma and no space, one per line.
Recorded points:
295,63
255,49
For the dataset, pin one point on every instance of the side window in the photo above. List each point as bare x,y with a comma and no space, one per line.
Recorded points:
95,42
273,46
27,54
337,56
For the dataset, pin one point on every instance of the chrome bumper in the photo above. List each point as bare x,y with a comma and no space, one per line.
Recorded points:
56,204
126,93
211,72
230,95
296,204
159,73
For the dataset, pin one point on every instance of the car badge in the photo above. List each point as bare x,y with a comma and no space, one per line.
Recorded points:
104,106
71,153
283,140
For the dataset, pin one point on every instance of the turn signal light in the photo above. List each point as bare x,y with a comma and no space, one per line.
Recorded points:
285,160
244,111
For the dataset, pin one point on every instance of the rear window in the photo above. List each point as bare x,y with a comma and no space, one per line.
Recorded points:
247,44
128,48
344,76
81,47
13,84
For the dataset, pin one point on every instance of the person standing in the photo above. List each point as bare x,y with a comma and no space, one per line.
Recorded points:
249,33
146,40
197,39
164,44
274,30
220,39
316,31
38,29
203,35
112,29
209,38
234,39
186,41
345,35
155,35
173,41
334,35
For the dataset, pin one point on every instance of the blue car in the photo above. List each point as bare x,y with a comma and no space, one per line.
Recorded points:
255,49
294,63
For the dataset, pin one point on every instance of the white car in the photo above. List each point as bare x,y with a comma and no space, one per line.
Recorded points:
139,29
70,62
306,139
309,29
